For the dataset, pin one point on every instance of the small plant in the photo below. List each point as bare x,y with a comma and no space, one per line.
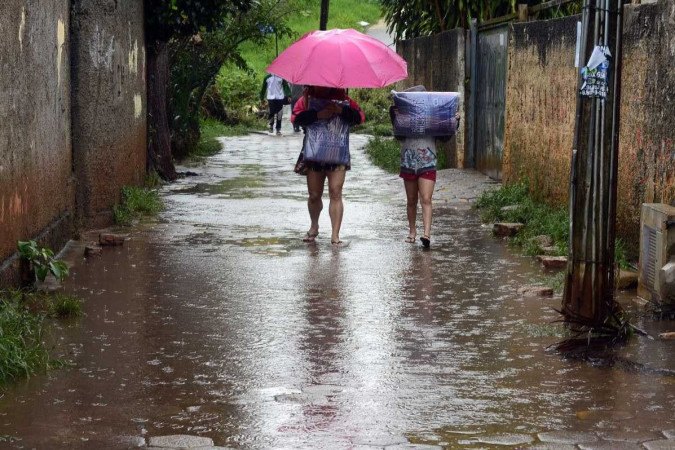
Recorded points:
153,180
23,352
136,203
42,261
65,306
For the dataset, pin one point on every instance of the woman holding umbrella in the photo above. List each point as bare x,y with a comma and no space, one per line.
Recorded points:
336,107
330,62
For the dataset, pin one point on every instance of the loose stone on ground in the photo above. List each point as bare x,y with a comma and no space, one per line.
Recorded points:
505,229
111,239
627,279
553,262
536,291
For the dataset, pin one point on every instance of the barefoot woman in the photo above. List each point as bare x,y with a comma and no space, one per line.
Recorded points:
318,171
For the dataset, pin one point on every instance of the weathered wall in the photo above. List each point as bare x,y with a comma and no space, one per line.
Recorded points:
36,185
540,106
647,142
541,96
72,117
109,98
439,63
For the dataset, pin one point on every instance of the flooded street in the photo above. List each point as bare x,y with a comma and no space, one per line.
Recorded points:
218,321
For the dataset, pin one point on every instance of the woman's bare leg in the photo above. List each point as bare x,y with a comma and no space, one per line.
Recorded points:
426,190
315,183
336,180
411,193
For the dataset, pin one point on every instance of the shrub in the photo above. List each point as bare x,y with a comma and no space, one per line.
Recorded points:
539,219
375,104
385,153
136,203
21,332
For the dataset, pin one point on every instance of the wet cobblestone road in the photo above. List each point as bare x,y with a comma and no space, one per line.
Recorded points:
218,321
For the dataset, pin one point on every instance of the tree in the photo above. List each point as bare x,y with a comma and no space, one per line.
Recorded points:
196,61
408,19
167,20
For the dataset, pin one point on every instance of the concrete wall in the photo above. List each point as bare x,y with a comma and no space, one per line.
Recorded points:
36,184
541,96
63,59
540,106
109,116
439,63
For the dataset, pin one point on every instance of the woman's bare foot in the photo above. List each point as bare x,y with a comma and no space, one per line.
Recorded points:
310,236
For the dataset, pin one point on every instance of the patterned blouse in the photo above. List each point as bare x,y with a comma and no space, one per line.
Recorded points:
418,155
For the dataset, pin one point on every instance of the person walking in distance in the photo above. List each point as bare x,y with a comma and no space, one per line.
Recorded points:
277,93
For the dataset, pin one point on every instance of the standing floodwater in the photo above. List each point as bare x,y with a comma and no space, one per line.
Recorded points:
219,321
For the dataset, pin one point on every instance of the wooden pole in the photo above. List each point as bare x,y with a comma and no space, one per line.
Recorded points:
589,288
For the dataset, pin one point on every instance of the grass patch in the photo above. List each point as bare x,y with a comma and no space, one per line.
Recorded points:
210,131
539,219
23,316
375,104
21,333
385,153
136,203
64,306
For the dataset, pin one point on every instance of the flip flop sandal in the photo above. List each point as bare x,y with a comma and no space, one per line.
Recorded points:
426,242
310,237
410,239
339,244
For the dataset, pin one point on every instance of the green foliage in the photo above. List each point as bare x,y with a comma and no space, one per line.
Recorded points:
22,352
42,261
211,130
22,329
621,254
65,306
375,104
240,92
408,19
385,153
196,63
539,219
167,19
136,203
153,180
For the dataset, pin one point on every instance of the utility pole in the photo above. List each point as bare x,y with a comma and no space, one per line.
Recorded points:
588,300
323,21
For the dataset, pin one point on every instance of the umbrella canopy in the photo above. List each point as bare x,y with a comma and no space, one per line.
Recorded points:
339,58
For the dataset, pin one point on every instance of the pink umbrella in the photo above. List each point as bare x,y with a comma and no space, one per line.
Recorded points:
339,58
